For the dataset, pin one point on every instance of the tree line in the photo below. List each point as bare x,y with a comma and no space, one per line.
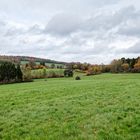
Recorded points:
13,72
116,66
18,59
10,73
125,65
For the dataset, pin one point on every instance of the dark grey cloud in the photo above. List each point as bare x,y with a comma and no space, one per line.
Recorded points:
134,49
109,20
130,26
63,24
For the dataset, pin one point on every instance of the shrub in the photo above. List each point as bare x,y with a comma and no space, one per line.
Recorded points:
77,78
68,73
26,74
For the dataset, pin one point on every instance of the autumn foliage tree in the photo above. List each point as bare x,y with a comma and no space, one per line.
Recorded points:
26,70
116,66
94,69
125,67
137,66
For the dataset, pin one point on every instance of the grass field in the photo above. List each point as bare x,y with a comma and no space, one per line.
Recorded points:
101,107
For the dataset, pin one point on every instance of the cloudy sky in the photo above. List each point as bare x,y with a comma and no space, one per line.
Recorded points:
94,31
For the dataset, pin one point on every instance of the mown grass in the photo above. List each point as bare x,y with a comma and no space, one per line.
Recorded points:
101,107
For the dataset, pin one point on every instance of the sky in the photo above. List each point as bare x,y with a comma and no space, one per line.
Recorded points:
94,31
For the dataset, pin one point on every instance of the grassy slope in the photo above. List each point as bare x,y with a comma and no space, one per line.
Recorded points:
37,63
98,107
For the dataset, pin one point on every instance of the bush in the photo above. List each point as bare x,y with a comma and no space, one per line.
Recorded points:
77,78
68,73
26,74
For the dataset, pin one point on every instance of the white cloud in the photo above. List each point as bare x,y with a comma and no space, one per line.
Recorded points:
78,30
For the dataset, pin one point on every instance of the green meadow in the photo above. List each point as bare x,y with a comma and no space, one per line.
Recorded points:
101,107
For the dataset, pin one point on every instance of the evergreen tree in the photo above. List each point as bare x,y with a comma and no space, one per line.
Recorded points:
19,73
132,63
7,72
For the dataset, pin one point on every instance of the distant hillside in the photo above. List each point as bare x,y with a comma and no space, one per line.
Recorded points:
19,59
